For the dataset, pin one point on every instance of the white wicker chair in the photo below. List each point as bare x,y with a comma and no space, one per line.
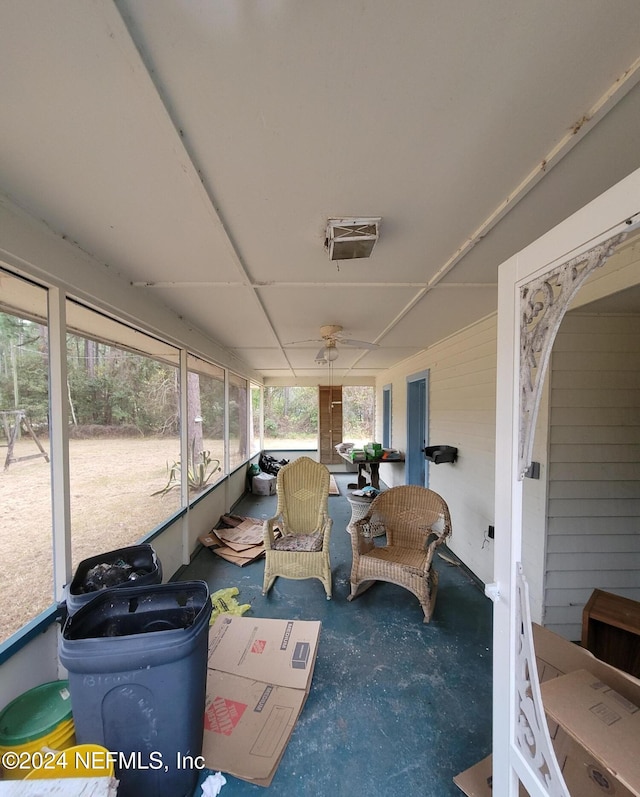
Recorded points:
303,518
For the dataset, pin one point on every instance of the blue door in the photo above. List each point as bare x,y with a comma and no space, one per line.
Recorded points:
417,471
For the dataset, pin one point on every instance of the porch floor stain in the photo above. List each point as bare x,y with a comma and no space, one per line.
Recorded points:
396,706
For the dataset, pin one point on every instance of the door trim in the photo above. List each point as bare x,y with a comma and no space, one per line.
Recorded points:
417,466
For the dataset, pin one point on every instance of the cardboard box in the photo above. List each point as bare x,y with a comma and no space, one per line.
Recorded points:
477,780
258,678
556,656
585,775
586,770
237,539
602,723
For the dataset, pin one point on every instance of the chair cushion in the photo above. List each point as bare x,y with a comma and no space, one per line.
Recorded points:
402,557
299,542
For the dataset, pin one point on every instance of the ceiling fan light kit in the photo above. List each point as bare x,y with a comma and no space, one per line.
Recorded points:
350,238
330,337
331,351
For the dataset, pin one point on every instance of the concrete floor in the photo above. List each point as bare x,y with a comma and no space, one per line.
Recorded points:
396,707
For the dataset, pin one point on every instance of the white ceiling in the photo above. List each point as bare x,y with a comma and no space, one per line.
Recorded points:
197,147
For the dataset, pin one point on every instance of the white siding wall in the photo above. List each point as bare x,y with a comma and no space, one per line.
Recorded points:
594,468
462,376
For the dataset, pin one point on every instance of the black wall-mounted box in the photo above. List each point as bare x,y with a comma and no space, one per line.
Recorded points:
438,454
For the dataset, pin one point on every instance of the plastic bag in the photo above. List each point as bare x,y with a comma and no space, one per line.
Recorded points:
224,602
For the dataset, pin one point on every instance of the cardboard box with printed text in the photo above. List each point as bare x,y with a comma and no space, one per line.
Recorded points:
593,762
258,678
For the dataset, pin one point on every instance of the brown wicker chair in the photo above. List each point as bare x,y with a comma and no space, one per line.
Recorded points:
416,522
303,518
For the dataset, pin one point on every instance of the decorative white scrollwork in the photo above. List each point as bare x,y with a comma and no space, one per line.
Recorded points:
543,303
531,731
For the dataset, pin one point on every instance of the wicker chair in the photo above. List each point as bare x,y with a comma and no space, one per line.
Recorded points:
416,522
303,518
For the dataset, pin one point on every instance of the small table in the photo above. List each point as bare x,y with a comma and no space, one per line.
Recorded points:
611,630
370,467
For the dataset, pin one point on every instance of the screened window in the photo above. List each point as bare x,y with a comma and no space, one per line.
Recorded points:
124,427
238,421
26,534
121,408
255,425
358,414
205,403
290,418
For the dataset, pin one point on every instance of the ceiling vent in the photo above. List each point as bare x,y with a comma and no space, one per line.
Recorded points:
350,238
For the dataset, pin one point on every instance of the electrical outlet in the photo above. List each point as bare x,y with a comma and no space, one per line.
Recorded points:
491,533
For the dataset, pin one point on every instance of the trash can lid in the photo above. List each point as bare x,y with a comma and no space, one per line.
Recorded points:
35,713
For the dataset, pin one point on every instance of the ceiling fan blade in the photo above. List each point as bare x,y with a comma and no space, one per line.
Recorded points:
320,355
360,344
309,340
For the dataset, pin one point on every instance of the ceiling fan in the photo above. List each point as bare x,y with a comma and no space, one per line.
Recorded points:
330,337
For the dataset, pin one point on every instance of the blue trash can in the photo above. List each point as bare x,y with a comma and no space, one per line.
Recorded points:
137,660
125,567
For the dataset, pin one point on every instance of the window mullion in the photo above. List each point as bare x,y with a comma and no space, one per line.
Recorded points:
184,429
227,455
59,440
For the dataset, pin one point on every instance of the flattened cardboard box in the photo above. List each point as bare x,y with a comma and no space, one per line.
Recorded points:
585,774
258,678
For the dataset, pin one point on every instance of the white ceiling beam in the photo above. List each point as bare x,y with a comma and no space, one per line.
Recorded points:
338,285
